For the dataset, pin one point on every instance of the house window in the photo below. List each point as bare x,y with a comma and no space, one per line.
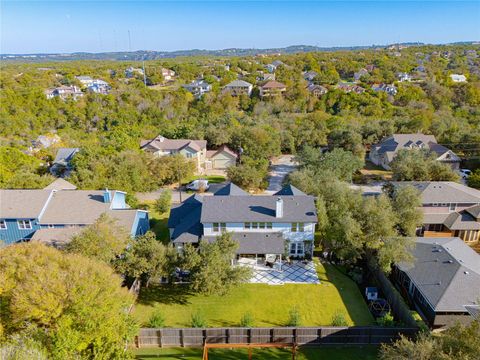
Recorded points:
247,225
269,225
255,225
261,225
3,225
298,227
219,227
296,249
452,207
24,224
189,155
51,226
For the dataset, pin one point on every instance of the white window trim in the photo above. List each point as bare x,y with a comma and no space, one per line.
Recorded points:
24,222
3,225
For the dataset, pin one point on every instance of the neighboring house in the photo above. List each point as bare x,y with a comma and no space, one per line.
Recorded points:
266,76
64,92
51,214
168,75
458,78
239,87
191,149
198,88
94,85
272,88
61,164
449,209
404,77
310,75
131,71
389,89
383,153
442,282
60,184
317,90
350,87
270,68
359,74
266,227
220,159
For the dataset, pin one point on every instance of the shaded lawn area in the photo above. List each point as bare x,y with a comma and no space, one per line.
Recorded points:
158,222
324,353
269,305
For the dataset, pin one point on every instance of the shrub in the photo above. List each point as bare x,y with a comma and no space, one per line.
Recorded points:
338,319
295,318
198,320
386,320
162,205
157,320
247,320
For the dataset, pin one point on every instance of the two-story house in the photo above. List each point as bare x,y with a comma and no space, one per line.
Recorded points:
272,88
198,88
384,152
54,215
239,87
64,92
317,90
442,282
449,209
195,150
266,227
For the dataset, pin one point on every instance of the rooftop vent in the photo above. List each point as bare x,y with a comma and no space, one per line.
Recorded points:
466,272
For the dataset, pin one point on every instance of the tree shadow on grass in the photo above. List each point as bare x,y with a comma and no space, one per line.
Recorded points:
351,296
165,294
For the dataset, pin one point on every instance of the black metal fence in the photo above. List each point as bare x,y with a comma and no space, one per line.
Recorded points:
191,337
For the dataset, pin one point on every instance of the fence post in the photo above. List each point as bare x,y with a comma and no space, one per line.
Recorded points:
294,335
160,337
182,342
227,334
249,335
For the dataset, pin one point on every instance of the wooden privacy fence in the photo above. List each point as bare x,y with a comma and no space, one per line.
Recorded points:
190,337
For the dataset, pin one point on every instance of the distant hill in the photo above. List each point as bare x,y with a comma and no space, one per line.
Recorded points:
154,55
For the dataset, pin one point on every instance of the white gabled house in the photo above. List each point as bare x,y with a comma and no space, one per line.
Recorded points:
266,227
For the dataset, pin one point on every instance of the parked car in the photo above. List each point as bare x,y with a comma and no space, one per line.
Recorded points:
465,173
198,185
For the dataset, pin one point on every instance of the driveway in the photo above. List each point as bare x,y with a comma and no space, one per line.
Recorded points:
280,168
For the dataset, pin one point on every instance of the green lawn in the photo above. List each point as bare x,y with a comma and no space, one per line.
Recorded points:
212,179
324,353
158,222
269,305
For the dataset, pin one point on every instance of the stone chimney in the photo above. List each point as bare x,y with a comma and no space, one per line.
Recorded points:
279,208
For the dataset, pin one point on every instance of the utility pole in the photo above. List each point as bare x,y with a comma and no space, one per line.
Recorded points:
144,73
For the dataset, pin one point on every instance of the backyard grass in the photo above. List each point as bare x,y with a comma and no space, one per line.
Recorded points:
324,353
372,170
269,305
158,222
212,179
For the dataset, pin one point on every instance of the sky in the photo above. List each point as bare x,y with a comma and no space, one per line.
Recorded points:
73,26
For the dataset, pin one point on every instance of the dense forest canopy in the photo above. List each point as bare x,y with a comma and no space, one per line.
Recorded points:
110,127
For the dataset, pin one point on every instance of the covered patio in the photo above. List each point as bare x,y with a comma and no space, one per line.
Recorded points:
301,272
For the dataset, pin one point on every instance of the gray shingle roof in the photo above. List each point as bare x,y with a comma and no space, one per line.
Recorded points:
446,271
162,143
256,243
230,189
65,155
75,207
185,220
22,204
401,141
444,192
289,190
474,211
56,237
60,184
259,208
238,83
461,221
